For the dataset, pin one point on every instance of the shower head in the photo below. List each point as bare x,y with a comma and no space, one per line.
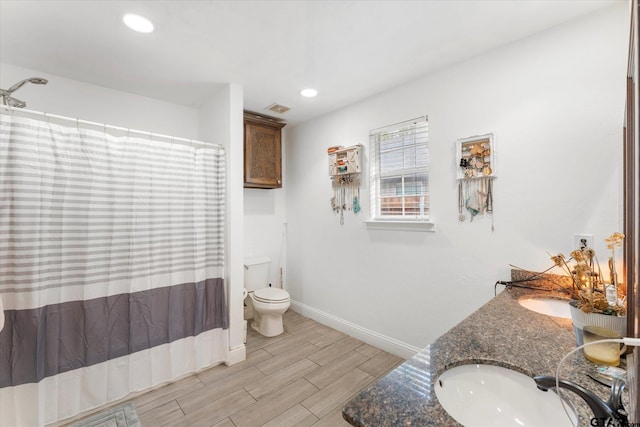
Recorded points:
38,80
7,99
34,80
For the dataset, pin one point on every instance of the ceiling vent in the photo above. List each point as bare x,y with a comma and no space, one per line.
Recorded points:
277,108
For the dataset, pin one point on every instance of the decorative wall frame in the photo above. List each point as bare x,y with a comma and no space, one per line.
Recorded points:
345,161
475,157
476,170
345,166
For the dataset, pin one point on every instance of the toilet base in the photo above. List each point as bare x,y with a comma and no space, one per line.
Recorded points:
268,325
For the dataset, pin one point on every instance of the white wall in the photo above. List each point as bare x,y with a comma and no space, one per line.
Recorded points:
72,98
555,104
221,121
264,228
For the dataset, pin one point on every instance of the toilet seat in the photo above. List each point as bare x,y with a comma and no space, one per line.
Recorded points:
271,295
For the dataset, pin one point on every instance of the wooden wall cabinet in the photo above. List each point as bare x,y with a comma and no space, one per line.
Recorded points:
262,151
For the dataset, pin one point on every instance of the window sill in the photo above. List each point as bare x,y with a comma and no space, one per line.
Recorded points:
407,225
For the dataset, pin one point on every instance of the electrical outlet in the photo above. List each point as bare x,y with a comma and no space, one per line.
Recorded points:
581,241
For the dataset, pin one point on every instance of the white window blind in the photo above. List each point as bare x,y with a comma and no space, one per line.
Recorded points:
399,175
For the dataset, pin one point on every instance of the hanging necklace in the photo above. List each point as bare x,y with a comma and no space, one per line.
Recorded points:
489,197
460,202
490,201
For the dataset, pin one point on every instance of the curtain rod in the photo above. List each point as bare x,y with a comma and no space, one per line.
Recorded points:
102,125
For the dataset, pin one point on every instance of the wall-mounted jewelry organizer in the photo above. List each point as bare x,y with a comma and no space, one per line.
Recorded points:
476,170
345,167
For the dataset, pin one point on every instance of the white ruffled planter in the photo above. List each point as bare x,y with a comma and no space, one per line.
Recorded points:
581,319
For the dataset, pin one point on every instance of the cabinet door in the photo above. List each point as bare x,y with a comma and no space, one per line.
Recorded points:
262,162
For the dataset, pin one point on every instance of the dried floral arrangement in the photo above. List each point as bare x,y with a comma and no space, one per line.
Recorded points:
588,285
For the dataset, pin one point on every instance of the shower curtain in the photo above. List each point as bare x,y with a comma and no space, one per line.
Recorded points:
111,266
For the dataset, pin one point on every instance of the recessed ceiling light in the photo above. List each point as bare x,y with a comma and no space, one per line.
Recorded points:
137,23
308,93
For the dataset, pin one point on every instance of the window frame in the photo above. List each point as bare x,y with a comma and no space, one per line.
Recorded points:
418,167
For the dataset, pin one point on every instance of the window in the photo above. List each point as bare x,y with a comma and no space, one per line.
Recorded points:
399,176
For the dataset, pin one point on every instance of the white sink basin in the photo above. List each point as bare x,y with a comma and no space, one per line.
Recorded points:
491,396
548,306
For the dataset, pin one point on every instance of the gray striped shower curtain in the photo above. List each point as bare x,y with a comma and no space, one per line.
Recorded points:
111,266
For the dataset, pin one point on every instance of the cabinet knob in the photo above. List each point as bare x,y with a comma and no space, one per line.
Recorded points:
279,181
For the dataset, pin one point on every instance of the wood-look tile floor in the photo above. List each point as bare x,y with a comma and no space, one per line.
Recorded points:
300,378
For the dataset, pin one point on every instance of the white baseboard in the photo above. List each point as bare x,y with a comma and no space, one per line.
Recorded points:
375,339
236,355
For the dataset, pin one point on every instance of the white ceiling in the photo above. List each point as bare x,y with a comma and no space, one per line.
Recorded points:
348,50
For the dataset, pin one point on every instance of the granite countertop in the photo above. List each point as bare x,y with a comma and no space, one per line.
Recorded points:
501,332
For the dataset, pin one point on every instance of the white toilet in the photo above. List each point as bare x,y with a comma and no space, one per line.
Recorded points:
268,304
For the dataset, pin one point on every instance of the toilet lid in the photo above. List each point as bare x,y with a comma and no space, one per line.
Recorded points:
271,295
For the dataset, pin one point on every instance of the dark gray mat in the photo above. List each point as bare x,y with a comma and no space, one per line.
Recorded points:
120,416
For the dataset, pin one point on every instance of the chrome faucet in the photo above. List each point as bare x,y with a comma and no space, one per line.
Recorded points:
607,413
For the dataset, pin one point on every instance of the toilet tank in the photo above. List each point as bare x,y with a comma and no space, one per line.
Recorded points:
256,272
